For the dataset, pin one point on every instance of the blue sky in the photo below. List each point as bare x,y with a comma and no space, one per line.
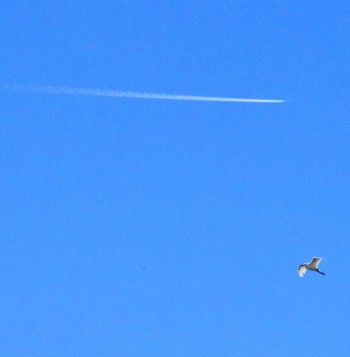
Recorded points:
136,227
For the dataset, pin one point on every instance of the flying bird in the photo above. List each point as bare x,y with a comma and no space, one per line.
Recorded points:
313,265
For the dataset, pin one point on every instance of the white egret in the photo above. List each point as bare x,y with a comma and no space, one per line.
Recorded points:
313,265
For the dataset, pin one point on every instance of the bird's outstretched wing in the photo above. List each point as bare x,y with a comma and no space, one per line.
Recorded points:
301,270
315,261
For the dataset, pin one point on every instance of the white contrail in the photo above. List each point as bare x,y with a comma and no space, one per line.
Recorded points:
118,94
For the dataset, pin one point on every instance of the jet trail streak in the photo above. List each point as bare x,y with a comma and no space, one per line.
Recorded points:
139,95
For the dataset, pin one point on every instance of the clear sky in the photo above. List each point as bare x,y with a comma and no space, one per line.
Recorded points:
134,227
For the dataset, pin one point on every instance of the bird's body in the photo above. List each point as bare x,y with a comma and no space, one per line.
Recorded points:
313,265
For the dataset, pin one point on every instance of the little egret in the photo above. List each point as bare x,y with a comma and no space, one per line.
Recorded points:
313,265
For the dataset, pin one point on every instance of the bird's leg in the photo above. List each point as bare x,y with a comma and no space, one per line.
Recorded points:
320,272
